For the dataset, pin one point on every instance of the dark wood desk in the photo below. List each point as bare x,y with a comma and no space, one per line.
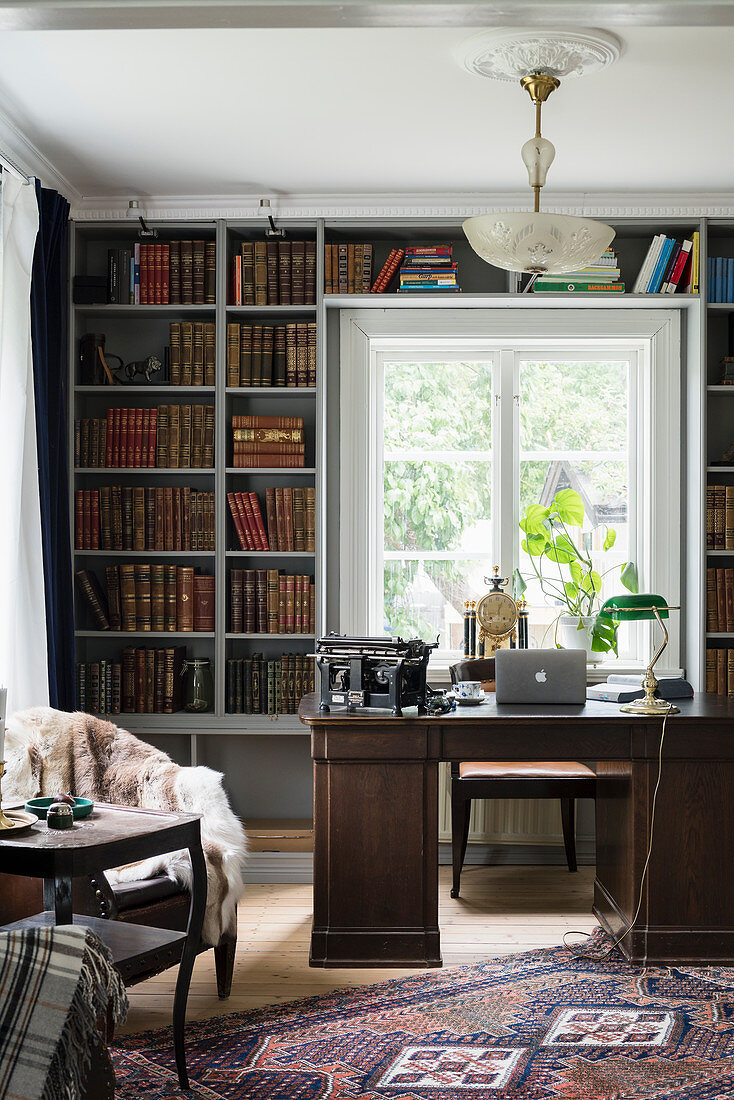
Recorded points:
109,837
376,824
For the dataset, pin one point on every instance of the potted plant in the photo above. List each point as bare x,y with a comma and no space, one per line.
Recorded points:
566,573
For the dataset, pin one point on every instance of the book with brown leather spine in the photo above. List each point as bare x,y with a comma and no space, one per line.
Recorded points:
245,356
84,442
123,459
128,606
261,600
109,438
266,361
79,520
309,519
301,354
729,597
197,436
712,612
721,671
208,452
343,269
144,278
256,358
187,352
268,435
165,273
366,269
261,274
210,274
157,264
159,680
138,517
159,537
94,519
256,670
184,450
173,684
174,436
197,368
161,453
719,517
137,458
309,273
128,680
284,273
729,517
248,421
258,521
237,507
142,596
198,249
105,518
248,274
91,593
721,600
279,356
249,600
272,601
270,514
311,354
118,541
282,600
312,608
233,355
152,435
149,517
112,581
204,602
299,541
174,353
711,670
291,353
297,606
210,354
116,692
157,596
298,273
730,673
168,517
328,284
351,263
174,273
185,597
268,461
235,601
271,259
177,520
244,448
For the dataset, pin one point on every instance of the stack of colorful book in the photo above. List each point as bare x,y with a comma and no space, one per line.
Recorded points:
600,278
428,268
669,265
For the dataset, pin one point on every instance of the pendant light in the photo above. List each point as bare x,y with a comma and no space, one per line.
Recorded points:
537,242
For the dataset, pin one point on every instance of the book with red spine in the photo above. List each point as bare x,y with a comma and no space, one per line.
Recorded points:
109,437
273,539
281,603
152,436
144,275
268,462
137,438
157,263
250,539
79,519
288,516
679,266
247,421
247,505
165,273
116,424
124,415
94,520
290,602
260,526
390,266
234,511
245,447
297,605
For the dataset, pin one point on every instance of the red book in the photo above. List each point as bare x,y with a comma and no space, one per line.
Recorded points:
272,524
239,528
249,535
165,273
257,516
124,417
158,257
152,435
94,523
137,438
288,517
144,275
282,598
268,461
290,602
250,520
109,437
237,281
116,421
79,519
391,265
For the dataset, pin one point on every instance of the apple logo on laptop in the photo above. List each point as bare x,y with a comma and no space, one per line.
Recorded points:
540,676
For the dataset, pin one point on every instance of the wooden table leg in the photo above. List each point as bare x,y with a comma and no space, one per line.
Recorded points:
57,898
190,951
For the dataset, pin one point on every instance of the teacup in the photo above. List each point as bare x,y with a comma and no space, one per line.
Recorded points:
468,689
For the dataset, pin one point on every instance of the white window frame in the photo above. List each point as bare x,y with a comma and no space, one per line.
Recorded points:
653,336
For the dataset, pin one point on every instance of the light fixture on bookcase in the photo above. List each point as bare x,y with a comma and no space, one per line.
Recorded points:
535,242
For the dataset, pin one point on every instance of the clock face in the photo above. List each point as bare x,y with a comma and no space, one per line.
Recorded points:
496,613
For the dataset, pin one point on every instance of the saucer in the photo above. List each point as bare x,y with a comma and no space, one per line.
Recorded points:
470,702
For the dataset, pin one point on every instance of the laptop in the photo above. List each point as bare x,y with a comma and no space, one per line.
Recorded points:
540,675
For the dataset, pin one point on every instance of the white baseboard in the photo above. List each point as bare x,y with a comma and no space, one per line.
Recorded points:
298,866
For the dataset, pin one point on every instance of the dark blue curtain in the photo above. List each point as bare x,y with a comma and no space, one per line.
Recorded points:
50,377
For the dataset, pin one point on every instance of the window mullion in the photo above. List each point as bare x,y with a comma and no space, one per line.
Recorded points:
506,511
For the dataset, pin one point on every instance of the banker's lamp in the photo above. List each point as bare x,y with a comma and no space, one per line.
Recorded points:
645,605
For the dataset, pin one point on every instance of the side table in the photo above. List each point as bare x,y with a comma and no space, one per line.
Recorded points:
109,837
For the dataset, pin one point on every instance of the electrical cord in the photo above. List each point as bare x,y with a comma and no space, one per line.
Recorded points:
573,932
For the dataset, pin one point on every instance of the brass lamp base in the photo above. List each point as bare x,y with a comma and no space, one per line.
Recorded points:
650,707
5,822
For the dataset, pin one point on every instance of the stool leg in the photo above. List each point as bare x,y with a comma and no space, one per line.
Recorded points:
460,814
568,815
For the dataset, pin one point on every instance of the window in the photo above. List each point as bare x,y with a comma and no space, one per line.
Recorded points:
447,438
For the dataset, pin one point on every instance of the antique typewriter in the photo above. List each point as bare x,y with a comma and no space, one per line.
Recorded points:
383,673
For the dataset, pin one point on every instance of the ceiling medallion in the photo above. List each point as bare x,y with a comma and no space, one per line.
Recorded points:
510,54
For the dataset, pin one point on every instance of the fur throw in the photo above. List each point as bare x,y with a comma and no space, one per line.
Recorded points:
48,751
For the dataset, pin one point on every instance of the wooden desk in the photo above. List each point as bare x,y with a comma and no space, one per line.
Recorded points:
109,837
376,823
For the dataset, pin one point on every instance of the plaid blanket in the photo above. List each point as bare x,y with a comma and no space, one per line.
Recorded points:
55,983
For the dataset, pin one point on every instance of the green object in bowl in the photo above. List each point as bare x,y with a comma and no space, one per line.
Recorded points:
39,806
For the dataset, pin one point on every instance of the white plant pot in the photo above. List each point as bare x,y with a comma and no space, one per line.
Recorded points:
571,637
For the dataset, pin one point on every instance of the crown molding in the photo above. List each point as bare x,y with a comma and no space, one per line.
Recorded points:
29,157
405,207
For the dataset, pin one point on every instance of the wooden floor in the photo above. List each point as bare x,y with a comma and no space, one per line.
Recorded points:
502,910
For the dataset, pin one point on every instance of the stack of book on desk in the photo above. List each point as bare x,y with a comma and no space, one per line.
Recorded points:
623,689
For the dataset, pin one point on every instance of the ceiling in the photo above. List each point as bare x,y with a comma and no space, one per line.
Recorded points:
359,110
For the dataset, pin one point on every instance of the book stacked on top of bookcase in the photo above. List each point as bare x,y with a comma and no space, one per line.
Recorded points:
260,685
291,519
428,268
162,273
142,596
166,437
599,278
274,273
266,601
347,268
134,517
272,355
268,441
670,265
144,681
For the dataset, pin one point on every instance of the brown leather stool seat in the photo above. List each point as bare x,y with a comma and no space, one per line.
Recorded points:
524,769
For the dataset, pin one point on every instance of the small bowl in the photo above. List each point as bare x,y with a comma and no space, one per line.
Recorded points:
39,806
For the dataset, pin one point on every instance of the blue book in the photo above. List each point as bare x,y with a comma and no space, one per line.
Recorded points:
729,281
660,267
719,276
710,278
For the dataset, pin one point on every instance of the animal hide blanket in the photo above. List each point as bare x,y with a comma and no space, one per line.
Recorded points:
49,751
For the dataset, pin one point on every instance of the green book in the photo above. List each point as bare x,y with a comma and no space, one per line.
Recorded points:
560,287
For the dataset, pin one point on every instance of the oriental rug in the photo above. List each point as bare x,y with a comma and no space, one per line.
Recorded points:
532,1026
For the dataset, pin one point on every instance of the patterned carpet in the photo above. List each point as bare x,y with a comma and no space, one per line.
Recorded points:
534,1026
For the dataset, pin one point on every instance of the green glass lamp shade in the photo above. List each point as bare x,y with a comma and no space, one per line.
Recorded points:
635,607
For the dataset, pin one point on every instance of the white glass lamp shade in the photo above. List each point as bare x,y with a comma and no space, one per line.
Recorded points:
537,242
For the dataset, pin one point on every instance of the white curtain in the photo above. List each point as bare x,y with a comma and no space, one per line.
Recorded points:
23,659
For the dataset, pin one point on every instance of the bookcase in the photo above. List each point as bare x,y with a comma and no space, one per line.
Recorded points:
266,758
